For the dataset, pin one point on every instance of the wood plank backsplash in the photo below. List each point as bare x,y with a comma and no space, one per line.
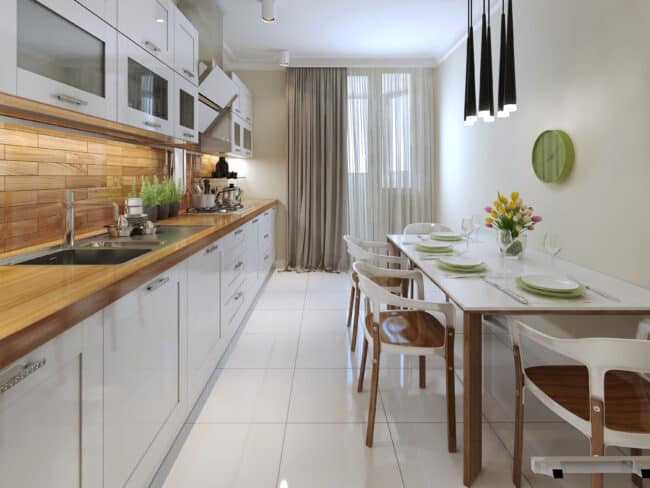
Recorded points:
38,165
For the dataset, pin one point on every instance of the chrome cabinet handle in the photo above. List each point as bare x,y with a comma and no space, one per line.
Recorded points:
25,371
266,258
238,296
71,100
151,46
154,285
187,134
266,236
188,73
212,249
237,232
239,265
155,125
256,221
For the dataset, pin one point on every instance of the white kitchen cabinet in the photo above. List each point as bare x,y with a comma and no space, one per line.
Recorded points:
59,53
186,48
145,89
252,258
186,114
243,105
150,24
144,378
267,241
104,9
204,342
51,412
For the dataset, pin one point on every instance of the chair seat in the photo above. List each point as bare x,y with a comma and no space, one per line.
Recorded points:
387,282
627,395
409,328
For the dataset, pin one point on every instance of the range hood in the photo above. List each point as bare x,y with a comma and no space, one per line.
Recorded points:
217,92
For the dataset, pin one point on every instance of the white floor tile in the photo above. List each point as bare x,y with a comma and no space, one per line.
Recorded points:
405,401
335,456
555,439
289,281
232,455
426,463
272,320
281,301
248,395
325,342
329,282
329,395
328,300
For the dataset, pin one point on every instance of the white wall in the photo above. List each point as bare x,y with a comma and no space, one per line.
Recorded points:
583,66
267,173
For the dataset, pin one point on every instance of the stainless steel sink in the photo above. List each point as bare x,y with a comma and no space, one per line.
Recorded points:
126,243
87,256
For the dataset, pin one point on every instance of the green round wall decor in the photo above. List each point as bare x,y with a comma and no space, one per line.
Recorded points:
553,156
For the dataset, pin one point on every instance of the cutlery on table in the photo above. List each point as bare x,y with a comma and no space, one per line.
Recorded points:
512,294
466,275
603,294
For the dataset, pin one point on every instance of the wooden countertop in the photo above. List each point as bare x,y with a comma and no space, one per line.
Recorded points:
37,303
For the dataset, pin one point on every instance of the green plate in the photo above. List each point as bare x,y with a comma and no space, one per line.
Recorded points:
579,293
431,250
461,269
553,156
446,239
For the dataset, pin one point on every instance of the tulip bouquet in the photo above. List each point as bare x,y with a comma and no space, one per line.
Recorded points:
511,215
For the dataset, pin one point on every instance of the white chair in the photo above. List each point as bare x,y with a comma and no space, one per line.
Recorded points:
425,228
360,250
406,327
606,397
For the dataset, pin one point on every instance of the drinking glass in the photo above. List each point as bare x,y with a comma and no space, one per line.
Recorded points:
467,227
552,245
477,222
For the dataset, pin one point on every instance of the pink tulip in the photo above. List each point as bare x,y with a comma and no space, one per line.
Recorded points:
488,209
489,226
532,227
537,219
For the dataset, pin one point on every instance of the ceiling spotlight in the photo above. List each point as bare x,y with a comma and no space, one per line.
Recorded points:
268,11
285,59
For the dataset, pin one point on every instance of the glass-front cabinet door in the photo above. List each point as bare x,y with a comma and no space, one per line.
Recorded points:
187,121
145,89
236,134
247,146
65,56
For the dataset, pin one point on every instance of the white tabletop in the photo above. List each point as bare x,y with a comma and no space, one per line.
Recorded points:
476,295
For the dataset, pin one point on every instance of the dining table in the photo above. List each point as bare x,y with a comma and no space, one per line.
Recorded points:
496,292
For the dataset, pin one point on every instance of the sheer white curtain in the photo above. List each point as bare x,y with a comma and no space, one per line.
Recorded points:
390,150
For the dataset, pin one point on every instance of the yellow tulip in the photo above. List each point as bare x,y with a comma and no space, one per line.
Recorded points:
514,196
503,199
512,205
500,207
496,203
494,214
488,220
509,215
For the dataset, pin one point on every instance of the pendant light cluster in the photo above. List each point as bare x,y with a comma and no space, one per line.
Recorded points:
507,92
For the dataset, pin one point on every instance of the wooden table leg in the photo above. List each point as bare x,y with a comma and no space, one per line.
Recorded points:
473,396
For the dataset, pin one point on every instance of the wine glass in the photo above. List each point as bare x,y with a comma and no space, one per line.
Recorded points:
467,227
477,222
552,245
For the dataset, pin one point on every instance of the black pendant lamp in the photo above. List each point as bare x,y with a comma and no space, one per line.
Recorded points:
502,112
486,94
470,77
510,90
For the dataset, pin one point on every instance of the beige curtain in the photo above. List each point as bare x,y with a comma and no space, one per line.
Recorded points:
317,103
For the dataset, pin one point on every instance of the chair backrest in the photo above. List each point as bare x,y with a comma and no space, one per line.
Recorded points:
360,250
425,228
598,354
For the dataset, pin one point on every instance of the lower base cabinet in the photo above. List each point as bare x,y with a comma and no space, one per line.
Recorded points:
100,405
144,378
51,413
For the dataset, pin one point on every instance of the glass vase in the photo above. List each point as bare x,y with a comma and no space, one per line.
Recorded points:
511,247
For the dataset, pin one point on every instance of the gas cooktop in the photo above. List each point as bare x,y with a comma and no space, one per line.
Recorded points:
215,210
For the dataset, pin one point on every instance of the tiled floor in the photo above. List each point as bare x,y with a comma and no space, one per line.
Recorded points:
282,410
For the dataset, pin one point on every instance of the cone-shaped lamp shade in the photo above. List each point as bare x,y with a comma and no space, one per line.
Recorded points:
483,94
470,82
490,116
501,112
510,95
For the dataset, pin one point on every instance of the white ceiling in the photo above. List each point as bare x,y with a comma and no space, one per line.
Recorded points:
343,32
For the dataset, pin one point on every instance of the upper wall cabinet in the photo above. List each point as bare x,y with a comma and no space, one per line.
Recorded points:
145,89
64,56
150,24
105,9
186,48
243,105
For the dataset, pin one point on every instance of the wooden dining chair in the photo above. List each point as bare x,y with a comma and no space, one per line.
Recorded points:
360,250
606,396
398,325
425,228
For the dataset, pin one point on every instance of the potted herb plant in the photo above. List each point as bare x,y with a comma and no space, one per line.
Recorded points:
162,198
177,194
149,199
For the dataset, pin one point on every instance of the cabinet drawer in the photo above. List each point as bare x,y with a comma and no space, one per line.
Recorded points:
234,239
233,266
233,308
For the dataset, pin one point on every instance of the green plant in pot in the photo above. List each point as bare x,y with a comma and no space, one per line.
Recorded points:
149,199
176,195
161,198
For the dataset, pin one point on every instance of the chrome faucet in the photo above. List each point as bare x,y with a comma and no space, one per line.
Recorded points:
70,205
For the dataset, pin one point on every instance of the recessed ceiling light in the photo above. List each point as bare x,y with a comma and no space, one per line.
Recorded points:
268,11
160,21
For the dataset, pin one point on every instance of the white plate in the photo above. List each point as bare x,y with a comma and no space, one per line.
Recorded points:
550,283
434,244
444,234
461,261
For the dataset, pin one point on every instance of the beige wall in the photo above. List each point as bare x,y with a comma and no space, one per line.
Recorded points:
583,66
267,172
